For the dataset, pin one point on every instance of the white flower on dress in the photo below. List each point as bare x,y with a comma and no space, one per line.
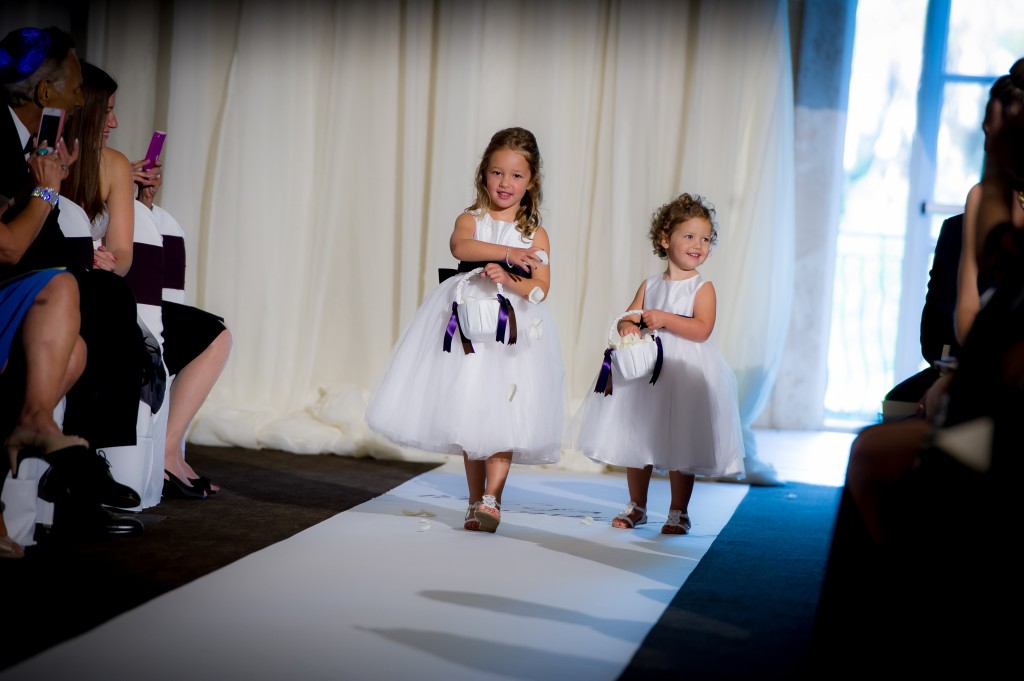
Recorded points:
537,329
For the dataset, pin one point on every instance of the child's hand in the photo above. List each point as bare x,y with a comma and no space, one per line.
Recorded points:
627,327
655,319
527,258
102,259
497,274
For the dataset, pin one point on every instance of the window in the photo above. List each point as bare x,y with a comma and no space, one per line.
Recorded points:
919,82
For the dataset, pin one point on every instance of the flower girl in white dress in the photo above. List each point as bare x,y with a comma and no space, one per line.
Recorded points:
499,400
684,417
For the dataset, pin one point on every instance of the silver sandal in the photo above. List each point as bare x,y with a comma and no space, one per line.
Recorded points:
676,523
471,523
627,512
488,512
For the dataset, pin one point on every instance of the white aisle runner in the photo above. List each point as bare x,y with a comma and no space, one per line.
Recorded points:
375,593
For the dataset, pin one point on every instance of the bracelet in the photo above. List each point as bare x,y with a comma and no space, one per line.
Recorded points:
507,249
48,194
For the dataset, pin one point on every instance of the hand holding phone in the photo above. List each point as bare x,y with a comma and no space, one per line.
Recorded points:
51,126
156,145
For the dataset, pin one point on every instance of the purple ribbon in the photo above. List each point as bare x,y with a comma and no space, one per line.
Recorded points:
657,362
506,317
453,323
604,378
449,333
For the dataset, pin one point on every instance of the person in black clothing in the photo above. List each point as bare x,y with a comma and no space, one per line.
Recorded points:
938,329
922,570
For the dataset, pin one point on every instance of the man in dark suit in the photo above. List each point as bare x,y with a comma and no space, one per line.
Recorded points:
938,333
39,69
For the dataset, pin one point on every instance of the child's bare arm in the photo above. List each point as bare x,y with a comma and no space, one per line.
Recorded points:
631,324
697,328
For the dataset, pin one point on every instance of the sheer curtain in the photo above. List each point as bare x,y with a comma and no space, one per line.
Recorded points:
318,154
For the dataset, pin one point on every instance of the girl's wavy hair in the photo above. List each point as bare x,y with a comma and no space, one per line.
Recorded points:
82,185
680,209
524,143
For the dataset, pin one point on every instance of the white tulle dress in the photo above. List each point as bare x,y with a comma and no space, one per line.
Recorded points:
501,397
687,421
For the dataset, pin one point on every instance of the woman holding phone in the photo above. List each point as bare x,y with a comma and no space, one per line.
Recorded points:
196,343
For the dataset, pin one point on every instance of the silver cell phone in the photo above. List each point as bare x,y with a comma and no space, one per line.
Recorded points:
51,126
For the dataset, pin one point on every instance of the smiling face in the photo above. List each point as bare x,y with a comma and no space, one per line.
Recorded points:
508,177
109,120
688,244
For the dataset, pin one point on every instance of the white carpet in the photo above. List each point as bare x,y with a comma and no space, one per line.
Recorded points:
375,593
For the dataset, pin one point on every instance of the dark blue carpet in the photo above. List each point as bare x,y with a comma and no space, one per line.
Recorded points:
748,609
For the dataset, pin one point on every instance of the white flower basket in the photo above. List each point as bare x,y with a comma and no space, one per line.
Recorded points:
478,317
633,359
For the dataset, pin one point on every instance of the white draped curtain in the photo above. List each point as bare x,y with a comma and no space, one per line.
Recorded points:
319,152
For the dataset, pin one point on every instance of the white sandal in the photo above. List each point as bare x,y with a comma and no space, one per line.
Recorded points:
676,523
471,523
627,512
488,512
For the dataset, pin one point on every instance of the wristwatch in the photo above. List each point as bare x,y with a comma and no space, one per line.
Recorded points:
48,194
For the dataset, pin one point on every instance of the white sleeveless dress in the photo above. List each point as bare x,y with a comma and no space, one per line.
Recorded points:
499,398
687,421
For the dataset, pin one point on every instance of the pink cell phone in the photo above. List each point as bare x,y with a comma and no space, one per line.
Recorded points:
51,126
156,145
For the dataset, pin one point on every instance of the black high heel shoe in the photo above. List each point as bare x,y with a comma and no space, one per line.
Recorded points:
176,489
203,483
23,442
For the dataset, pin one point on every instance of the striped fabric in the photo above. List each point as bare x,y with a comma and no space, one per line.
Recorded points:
174,255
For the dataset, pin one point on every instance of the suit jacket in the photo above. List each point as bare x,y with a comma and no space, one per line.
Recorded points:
937,317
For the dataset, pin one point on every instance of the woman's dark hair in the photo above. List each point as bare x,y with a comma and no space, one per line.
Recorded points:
82,185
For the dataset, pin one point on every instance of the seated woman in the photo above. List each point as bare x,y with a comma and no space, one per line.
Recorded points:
39,319
196,344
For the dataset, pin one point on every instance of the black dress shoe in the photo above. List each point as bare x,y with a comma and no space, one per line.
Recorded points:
119,523
86,475
74,518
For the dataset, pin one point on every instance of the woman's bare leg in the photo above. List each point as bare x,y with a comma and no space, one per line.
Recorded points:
879,456
50,337
189,390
